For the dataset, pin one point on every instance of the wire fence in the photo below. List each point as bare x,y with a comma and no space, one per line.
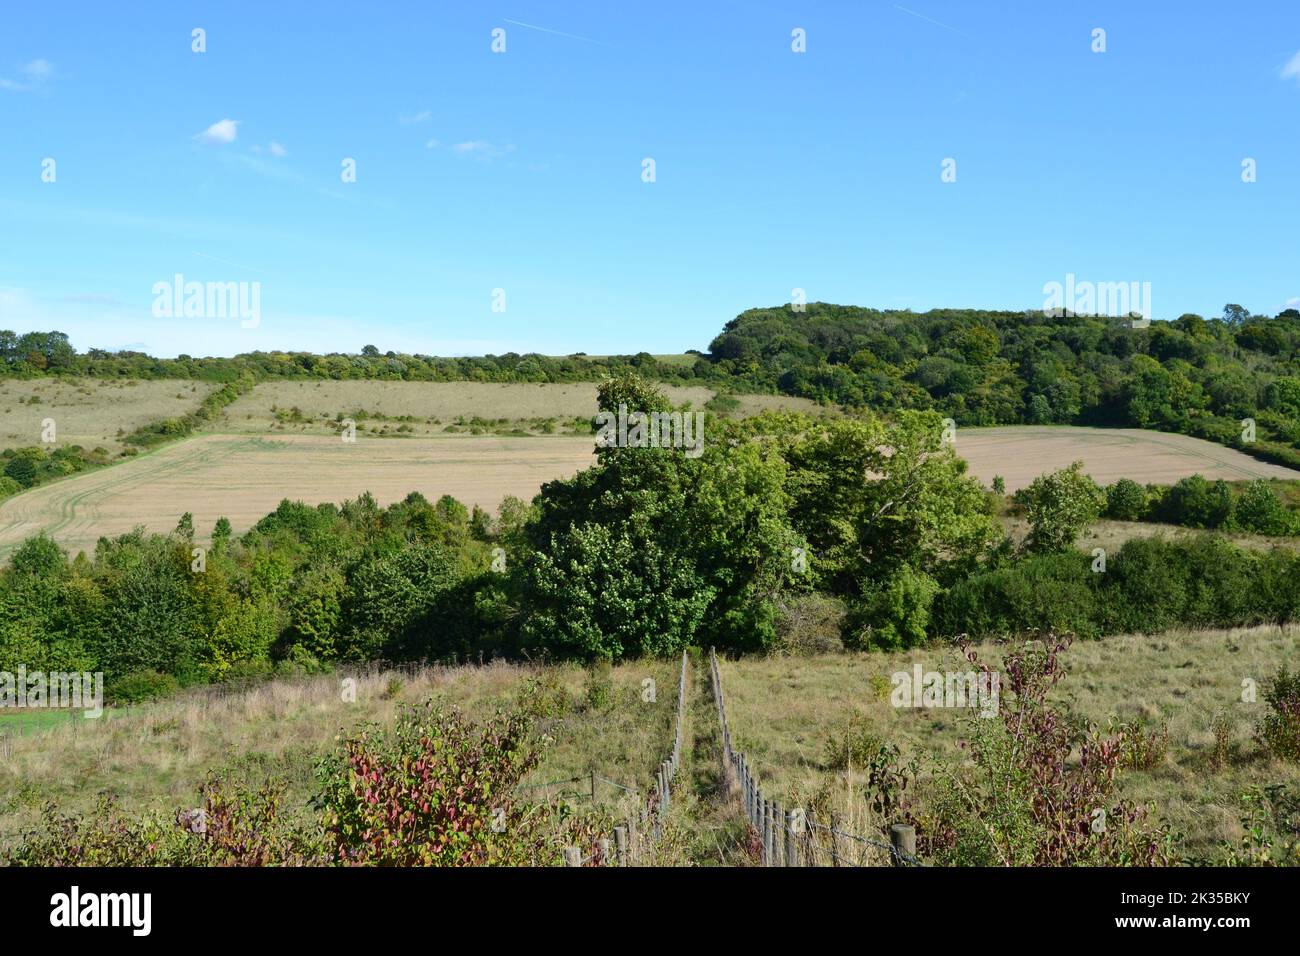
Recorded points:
792,837
629,843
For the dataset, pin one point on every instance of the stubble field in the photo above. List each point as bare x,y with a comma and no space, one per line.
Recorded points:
244,478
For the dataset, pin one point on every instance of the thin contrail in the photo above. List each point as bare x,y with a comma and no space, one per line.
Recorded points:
558,33
931,20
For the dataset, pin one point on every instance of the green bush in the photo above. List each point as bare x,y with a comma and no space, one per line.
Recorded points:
855,746
1043,593
1126,500
1060,507
544,697
1259,509
894,613
140,686
1197,503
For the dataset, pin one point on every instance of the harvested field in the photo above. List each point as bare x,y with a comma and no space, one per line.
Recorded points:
1020,453
244,478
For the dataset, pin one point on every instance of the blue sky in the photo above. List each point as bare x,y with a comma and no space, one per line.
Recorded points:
522,170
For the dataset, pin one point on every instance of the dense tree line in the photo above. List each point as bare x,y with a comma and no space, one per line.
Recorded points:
1192,375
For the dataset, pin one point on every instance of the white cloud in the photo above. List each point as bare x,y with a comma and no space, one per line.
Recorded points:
1292,69
415,118
36,71
431,144
277,150
39,69
481,148
220,132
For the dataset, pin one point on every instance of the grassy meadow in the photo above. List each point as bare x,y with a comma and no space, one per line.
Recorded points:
783,710
91,412
152,757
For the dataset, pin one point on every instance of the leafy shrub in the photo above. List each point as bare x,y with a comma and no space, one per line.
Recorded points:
544,697
599,690
1260,510
1054,592
721,404
1023,800
1197,503
1140,750
1126,500
231,827
1060,507
1271,821
894,613
855,746
432,790
141,686
1280,729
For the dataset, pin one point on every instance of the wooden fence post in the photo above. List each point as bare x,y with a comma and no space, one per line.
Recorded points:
604,851
778,820
793,830
767,832
572,856
903,838
620,845
593,788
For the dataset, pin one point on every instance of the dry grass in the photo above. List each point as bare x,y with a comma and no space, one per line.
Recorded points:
153,757
426,408
757,404
245,478
783,711
91,412
1111,535
1020,453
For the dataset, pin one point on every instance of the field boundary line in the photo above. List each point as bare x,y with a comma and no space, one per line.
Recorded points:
786,836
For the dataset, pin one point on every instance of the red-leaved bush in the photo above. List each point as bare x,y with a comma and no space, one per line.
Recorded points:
432,790
1040,786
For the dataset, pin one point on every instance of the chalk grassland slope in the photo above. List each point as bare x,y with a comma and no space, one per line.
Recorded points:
91,412
154,757
782,710
429,407
243,478
1020,453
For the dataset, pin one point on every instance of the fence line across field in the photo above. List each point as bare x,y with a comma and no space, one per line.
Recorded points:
647,826
786,835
